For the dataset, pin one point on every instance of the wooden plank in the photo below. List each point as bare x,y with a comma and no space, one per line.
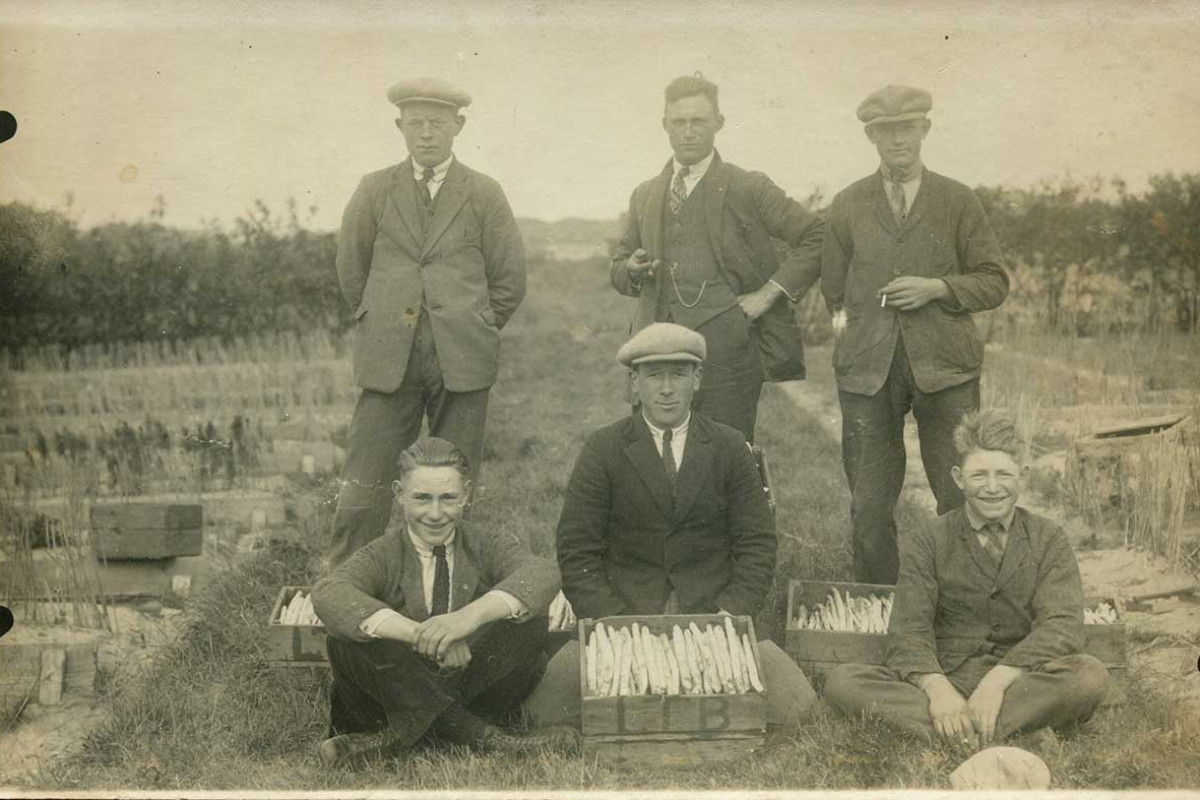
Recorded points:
133,531
79,669
667,751
836,646
50,683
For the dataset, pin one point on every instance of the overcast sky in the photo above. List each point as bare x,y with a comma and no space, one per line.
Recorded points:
213,105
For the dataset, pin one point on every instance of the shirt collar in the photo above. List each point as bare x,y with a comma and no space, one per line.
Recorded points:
977,523
424,549
676,432
697,170
439,172
909,175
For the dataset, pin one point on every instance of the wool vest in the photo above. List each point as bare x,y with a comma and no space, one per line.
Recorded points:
693,287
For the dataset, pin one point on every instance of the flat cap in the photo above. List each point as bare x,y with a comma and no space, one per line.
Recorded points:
428,90
662,341
895,104
1003,768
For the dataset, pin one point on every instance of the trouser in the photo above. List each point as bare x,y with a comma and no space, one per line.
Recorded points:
387,684
733,373
874,459
557,699
1058,694
386,423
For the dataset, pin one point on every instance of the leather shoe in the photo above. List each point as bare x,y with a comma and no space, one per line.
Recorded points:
558,738
351,746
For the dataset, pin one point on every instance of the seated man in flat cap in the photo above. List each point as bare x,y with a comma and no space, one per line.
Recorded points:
908,255
665,514
431,260
698,250
986,633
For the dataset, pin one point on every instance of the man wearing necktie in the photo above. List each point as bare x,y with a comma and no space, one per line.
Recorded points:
908,255
665,514
987,627
698,251
434,626
431,260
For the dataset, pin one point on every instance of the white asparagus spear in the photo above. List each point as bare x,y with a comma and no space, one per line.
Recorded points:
592,648
734,644
748,649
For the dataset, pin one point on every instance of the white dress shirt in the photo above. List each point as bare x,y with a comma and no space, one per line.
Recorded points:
695,171
517,609
439,174
678,438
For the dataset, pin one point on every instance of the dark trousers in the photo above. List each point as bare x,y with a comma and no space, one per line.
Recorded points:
874,459
387,684
733,374
385,424
1058,694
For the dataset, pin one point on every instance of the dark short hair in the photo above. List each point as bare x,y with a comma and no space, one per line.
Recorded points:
432,452
691,85
987,429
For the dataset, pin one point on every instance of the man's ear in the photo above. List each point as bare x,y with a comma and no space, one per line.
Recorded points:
869,131
925,128
956,475
466,491
697,374
459,122
397,490
720,121
1025,470
398,125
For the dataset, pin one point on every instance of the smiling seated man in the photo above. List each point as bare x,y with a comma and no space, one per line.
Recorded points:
434,626
665,514
988,620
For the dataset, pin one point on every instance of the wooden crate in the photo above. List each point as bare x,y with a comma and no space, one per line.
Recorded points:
675,730
294,645
817,652
133,531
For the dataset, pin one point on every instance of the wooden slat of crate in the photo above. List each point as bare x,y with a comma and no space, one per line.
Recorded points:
133,531
294,645
675,730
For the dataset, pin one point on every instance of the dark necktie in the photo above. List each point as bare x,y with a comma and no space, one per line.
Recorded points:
441,582
679,190
898,201
992,533
423,186
668,457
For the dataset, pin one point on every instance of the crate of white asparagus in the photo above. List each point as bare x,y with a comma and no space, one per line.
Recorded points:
295,636
670,690
830,623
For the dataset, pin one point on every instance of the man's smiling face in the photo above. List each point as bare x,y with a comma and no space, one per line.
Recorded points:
991,482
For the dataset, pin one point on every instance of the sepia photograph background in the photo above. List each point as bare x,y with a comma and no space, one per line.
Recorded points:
172,332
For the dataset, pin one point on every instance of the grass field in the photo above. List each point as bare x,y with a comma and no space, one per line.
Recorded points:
211,714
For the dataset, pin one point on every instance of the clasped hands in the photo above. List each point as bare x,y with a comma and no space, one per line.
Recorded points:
443,638
967,721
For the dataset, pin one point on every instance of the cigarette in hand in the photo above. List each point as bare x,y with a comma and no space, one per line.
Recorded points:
883,301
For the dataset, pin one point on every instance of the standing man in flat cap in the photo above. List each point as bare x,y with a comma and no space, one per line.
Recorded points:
908,256
432,262
697,251
665,514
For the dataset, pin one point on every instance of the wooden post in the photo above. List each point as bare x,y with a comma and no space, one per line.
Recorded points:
50,685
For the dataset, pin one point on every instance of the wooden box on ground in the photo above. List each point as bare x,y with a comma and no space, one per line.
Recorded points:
127,531
670,730
817,652
294,645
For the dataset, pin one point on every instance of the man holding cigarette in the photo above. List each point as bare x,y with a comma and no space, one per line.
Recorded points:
908,255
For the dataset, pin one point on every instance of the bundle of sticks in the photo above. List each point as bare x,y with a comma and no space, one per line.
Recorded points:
299,611
630,660
562,616
869,614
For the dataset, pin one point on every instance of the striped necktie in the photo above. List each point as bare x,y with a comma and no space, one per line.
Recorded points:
679,190
423,186
668,457
992,534
897,200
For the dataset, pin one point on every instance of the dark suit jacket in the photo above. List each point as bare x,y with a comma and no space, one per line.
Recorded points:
953,605
623,545
744,210
386,573
468,269
946,235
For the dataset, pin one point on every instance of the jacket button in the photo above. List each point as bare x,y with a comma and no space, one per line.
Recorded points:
895,270
997,627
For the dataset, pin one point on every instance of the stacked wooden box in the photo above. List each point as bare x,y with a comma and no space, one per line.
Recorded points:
291,645
659,730
817,652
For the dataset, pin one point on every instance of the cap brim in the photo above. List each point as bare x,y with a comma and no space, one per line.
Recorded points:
897,118
437,100
658,357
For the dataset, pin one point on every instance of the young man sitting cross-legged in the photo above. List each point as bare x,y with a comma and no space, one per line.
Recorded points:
987,629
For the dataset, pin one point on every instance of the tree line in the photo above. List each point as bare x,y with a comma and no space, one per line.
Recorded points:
1086,257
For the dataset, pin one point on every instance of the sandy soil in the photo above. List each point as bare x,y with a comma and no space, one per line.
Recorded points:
42,732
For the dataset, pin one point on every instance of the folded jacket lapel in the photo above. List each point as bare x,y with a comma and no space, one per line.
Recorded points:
450,200
644,456
404,199
883,208
917,206
693,472
713,184
412,583
652,216
1015,554
466,575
